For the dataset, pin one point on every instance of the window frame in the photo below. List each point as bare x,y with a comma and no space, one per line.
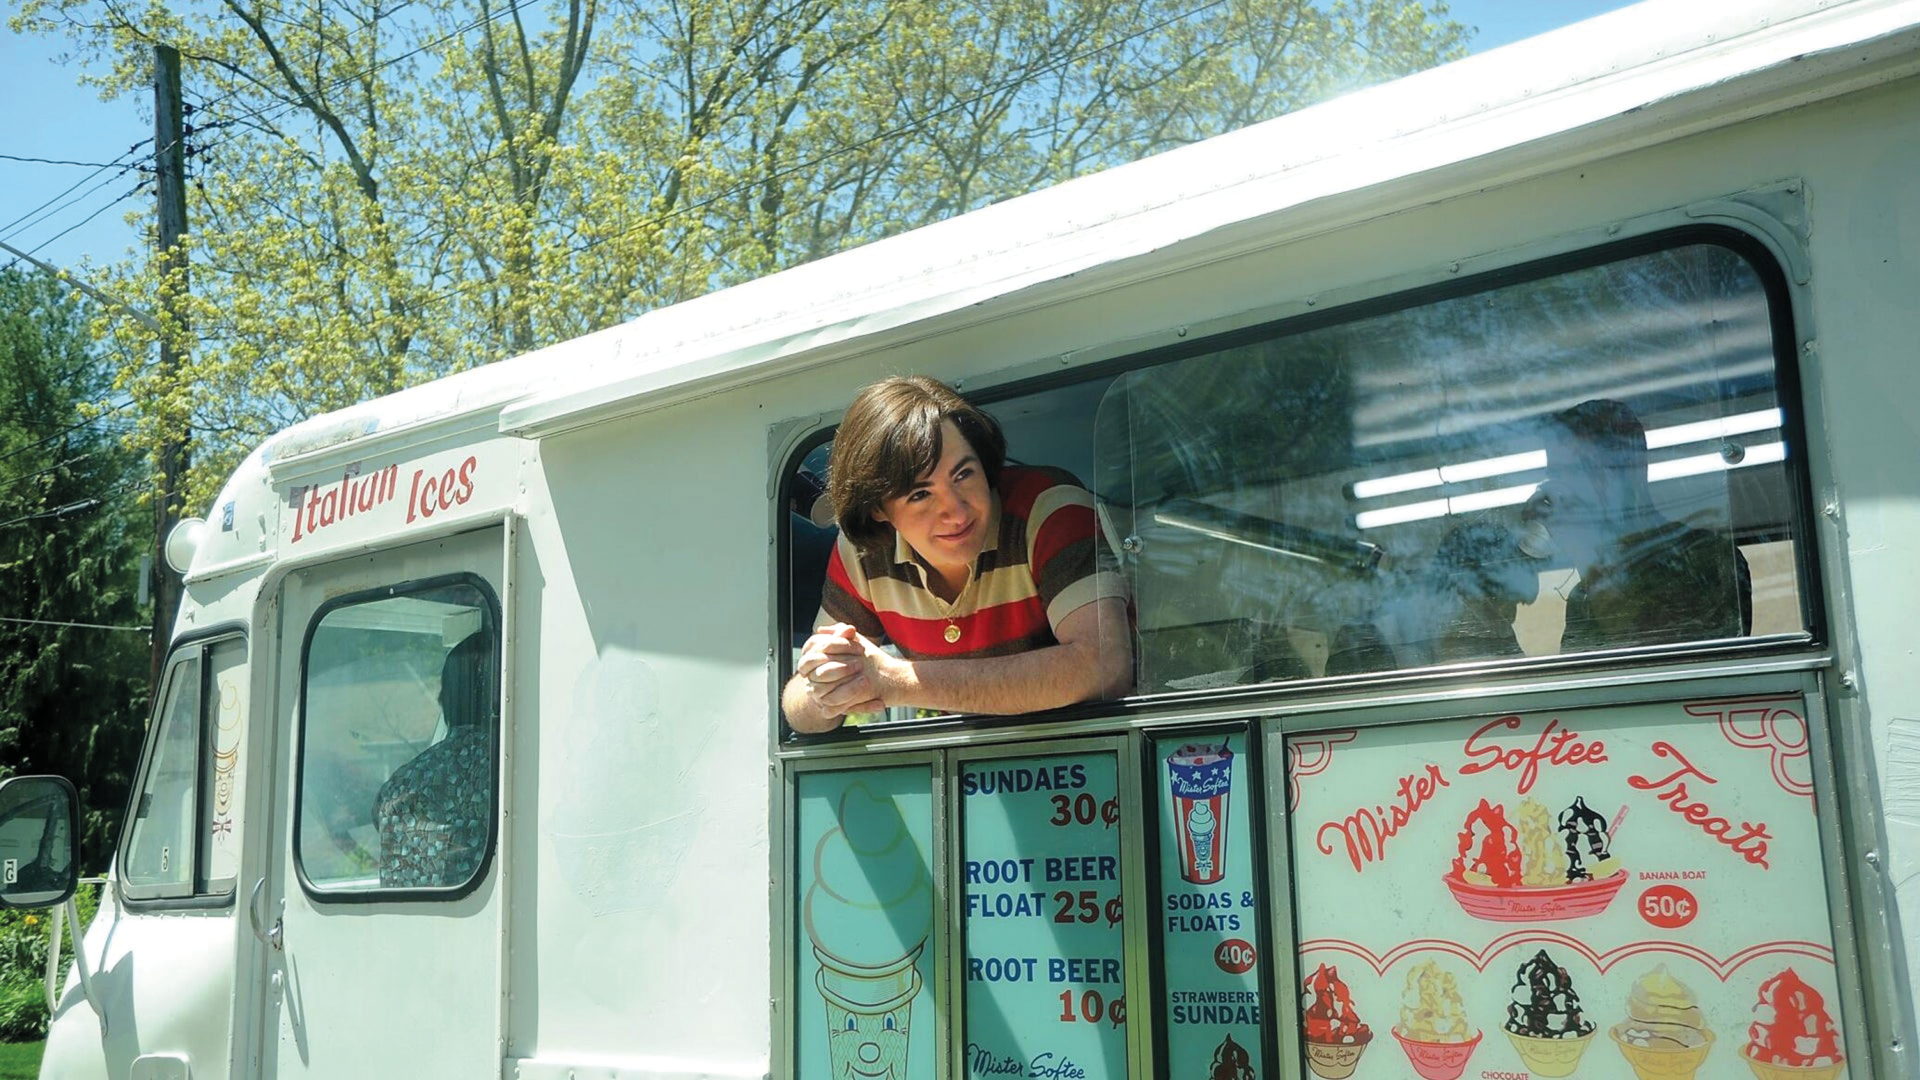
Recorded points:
1752,248
491,621
196,893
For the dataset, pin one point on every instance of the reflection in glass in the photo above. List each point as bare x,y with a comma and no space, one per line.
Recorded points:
401,725
159,854
1585,461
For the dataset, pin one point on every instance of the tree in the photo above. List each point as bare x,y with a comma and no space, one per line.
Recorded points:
392,192
73,691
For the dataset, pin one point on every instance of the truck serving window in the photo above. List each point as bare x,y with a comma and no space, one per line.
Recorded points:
183,841
1564,458
399,741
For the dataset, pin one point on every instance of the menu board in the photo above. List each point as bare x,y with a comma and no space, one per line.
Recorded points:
1209,910
1045,971
864,1006
1611,893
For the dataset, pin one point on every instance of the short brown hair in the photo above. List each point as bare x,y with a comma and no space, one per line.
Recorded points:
889,438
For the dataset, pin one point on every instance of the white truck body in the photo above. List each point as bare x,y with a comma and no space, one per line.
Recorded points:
619,497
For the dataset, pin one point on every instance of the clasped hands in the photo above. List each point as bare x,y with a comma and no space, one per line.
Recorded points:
846,672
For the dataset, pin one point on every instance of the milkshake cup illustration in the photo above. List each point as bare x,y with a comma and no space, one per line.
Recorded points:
1200,780
868,914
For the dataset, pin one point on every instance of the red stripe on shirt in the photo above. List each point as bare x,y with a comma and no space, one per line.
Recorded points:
1066,526
984,629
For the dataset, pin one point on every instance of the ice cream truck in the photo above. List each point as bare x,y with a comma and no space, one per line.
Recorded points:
1512,469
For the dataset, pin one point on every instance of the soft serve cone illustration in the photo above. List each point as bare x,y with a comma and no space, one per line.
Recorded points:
868,914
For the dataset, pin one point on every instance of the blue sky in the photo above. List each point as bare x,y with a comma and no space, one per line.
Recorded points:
46,113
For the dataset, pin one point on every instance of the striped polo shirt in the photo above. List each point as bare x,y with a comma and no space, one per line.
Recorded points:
1041,563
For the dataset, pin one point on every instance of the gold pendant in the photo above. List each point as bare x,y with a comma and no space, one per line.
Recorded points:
953,633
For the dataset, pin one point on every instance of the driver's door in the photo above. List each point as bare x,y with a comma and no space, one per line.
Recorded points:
381,909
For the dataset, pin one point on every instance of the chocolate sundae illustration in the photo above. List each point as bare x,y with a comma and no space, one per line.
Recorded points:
1792,1036
1528,874
1433,1028
1231,1062
870,893
1583,828
1544,1020
1335,1035
1665,1036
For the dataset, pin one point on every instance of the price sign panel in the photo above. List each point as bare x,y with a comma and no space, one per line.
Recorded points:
864,999
1045,977
1209,914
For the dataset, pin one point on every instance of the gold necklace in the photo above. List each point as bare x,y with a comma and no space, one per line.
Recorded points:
952,633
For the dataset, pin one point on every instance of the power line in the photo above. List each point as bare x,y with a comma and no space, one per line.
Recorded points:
14,482
63,432
131,150
86,219
54,161
80,625
50,211
67,510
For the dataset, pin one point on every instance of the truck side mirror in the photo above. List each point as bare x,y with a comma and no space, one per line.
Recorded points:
39,841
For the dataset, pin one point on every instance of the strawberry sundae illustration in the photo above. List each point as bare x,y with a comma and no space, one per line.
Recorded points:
1506,874
1335,1035
1433,1027
1544,1020
1792,1036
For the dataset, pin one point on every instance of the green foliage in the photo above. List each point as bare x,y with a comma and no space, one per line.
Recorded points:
72,697
393,192
24,938
21,1061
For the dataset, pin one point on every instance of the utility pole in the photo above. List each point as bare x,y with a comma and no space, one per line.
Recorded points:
169,166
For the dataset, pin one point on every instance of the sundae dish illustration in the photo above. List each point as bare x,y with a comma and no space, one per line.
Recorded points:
1526,874
1200,781
1544,1020
1335,1035
1433,1027
1665,1036
870,894
1231,1062
1792,1036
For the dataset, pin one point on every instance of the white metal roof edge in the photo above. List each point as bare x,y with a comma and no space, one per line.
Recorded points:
1663,53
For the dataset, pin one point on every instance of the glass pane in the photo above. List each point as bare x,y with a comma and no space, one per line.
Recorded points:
1586,461
865,883
226,663
397,768
1045,943
159,854
36,841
